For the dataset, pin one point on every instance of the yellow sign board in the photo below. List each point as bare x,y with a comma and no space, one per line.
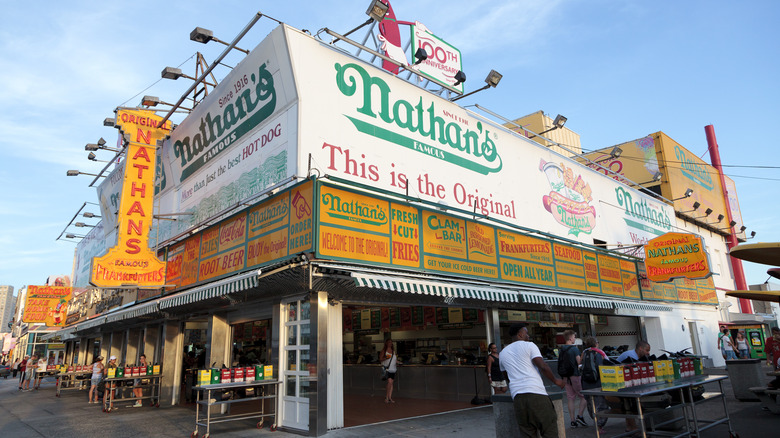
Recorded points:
131,261
676,255
46,304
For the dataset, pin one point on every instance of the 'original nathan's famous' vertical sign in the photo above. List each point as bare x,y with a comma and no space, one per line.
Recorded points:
131,262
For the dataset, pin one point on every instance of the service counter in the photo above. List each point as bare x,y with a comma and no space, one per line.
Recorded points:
433,382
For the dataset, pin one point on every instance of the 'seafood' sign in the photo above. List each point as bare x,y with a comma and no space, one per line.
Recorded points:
676,255
131,262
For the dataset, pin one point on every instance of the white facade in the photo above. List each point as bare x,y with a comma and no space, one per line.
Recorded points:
7,305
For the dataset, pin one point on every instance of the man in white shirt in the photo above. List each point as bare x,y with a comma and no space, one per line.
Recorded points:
523,363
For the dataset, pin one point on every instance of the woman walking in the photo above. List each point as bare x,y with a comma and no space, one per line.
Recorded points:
97,375
389,361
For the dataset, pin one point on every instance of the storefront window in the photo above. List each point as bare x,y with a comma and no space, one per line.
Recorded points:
422,334
250,342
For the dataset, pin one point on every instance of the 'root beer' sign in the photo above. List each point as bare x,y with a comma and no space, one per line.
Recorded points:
131,262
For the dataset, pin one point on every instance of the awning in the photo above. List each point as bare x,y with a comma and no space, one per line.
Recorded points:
236,283
63,334
641,306
86,325
758,295
767,253
134,311
434,288
564,300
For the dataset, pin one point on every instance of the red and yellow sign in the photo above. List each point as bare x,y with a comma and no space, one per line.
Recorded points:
676,255
131,262
46,304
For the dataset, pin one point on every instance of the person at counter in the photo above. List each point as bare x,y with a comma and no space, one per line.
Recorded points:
493,368
390,361
640,352
524,364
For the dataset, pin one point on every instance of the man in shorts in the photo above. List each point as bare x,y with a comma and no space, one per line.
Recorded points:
29,372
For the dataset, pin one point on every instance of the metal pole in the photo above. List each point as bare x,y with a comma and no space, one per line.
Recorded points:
736,265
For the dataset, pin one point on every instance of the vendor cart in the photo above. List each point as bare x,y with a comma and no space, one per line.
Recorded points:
70,381
224,394
120,390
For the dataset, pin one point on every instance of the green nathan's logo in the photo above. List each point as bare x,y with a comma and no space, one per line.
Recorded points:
353,211
473,150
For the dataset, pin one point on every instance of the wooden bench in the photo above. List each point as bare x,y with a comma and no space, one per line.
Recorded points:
764,395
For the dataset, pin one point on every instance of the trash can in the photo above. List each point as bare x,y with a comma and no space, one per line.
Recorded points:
745,374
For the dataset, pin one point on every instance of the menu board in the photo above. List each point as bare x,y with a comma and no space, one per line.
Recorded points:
369,229
700,291
280,227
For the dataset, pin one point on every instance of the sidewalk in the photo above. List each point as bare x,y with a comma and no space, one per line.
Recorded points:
40,413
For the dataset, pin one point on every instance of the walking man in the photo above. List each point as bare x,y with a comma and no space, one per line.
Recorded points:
568,368
524,364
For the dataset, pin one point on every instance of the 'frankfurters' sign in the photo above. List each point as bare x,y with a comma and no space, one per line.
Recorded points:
676,255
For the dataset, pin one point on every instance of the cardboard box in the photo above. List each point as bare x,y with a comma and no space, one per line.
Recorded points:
612,377
204,377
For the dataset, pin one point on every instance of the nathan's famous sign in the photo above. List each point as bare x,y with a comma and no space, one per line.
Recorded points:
46,304
131,262
676,255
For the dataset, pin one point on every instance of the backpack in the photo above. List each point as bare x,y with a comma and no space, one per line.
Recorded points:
565,366
590,371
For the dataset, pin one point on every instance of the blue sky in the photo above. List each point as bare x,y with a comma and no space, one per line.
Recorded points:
619,70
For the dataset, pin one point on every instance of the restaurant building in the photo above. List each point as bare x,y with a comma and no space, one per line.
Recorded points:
324,205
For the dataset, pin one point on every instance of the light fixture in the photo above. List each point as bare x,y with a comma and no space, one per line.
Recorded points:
613,154
707,212
656,177
202,35
174,73
720,217
558,123
152,101
731,225
752,234
491,81
77,173
101,144
110,122
696,206
82,225
420,55
460,77
742,229
92,157
89,215
74,236
377,10
687,194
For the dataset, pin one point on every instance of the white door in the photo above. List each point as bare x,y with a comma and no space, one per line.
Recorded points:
295,365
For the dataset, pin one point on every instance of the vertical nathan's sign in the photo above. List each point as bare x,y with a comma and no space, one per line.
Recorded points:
131,262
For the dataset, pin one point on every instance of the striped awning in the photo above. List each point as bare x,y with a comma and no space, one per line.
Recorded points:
236,283
434,288
561,299
641,306
63,334
134,311
86,325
